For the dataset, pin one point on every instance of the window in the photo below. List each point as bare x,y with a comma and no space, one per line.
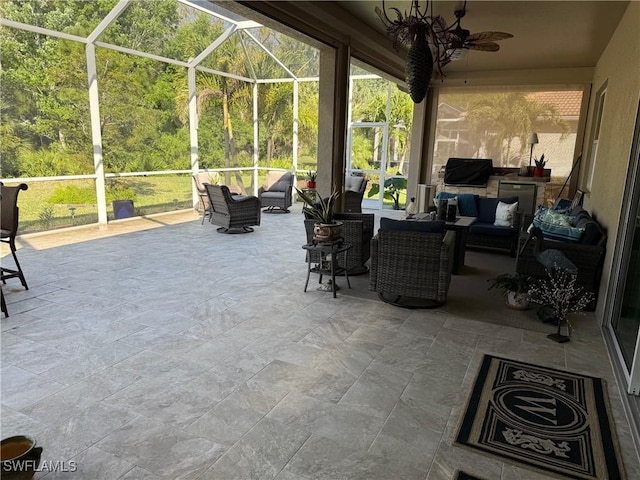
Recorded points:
600,99
496,123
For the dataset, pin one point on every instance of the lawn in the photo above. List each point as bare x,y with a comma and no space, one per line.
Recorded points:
50,204
39,210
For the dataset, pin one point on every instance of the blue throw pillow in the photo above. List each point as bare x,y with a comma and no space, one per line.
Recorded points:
428,226
468,204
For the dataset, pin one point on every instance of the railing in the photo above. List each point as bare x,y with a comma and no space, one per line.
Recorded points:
65,201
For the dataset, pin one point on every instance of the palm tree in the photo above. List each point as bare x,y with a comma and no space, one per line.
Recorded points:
495,120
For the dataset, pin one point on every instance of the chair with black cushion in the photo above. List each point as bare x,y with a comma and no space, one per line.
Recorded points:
354,188
9,229
411,263
233,213
276,192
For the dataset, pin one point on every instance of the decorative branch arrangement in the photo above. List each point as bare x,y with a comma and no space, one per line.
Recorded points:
560,292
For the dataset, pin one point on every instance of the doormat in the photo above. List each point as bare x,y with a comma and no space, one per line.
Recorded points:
553,421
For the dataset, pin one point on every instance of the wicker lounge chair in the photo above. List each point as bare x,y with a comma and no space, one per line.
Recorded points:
354,188
234,214
9,229
411,269
276,193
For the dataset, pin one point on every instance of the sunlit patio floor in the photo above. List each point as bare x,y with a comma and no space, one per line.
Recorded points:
159,348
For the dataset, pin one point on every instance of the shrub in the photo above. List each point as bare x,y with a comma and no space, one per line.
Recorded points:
73,195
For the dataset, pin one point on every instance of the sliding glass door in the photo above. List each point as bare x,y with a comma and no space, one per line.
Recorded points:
624,308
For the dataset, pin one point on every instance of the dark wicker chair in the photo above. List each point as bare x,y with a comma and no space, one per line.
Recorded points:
412,269
354,188
9,229
234,214
587,258
357,229
276,193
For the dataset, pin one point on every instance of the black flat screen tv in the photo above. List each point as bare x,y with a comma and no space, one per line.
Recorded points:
468,171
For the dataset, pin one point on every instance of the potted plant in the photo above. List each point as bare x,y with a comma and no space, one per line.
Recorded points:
311,178
325,229
514,287
538,171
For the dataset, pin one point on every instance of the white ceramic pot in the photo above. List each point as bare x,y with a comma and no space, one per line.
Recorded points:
518,301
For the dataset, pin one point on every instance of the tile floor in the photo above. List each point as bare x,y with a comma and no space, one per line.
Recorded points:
161,349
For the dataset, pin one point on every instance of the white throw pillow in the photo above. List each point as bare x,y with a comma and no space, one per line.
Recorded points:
505,214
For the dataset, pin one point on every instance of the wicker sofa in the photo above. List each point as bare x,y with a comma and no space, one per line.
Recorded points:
411,268
483,233
587,253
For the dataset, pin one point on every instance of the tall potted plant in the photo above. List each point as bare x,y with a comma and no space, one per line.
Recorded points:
325,228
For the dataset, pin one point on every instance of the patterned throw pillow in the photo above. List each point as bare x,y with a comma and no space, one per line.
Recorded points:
556,225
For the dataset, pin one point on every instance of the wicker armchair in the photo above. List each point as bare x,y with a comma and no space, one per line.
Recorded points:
354,188
276,193
357,229
412,269
234,214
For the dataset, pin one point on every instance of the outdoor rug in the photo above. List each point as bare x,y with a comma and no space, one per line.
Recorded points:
553,421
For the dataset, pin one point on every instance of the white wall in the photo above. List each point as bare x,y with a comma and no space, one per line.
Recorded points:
619,67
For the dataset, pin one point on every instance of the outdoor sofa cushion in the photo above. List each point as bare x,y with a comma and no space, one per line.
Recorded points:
467,202
489,229
430,226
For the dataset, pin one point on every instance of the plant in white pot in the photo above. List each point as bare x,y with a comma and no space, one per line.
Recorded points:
514,287
325,229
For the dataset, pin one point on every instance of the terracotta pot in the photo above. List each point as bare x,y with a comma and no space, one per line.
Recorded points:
538,172
327,232
311,184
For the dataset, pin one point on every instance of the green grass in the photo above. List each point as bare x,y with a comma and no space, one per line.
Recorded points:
153,194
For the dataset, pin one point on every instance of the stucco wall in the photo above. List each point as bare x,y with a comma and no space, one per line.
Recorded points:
619,66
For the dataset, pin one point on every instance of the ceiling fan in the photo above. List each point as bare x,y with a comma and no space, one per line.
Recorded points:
455,39
431,41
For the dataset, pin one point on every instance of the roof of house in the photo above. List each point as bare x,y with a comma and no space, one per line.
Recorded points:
567,102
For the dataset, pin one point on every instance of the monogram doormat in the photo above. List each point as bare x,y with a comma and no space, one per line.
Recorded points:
550,420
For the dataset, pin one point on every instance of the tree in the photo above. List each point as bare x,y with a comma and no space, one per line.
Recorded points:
496,119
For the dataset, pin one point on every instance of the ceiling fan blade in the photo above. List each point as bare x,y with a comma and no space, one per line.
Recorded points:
488,36
483,47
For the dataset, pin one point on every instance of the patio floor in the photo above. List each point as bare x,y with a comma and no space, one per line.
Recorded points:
159,348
